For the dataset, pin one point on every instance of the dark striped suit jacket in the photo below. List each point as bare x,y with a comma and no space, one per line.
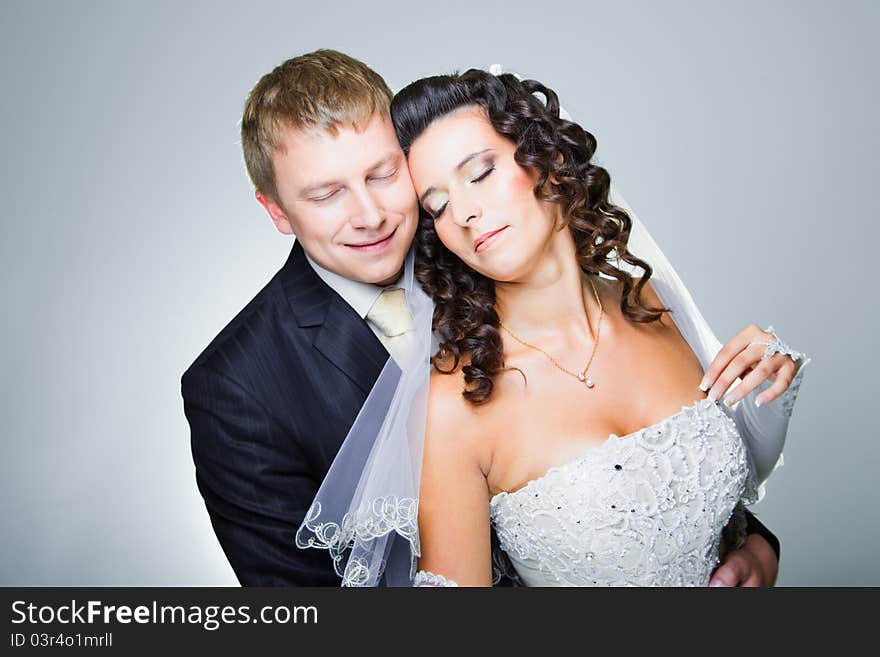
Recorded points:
269,402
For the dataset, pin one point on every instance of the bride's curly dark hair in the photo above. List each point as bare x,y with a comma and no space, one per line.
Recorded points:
465,316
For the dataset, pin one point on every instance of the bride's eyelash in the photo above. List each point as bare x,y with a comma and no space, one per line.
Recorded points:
482,176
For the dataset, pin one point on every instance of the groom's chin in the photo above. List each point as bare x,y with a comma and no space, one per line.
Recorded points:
373,269
379,268
384,272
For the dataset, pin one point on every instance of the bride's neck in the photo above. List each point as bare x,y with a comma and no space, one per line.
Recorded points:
551,298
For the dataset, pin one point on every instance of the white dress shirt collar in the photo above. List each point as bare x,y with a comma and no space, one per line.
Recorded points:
360,296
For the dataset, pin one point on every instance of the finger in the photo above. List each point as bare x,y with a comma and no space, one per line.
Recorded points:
737,366
756,376
728,352
753,581
727,574
716,367
784,377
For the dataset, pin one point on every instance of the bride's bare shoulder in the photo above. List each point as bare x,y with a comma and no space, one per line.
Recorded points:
615,291
445,399
649,296
453,420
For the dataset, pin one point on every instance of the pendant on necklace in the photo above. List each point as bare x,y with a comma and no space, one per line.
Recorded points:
583,379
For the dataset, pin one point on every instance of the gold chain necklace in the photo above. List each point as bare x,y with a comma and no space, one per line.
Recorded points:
582,375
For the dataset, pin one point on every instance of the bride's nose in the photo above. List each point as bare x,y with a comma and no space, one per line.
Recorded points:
465,212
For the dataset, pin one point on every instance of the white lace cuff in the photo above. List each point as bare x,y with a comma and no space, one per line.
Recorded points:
764,428
777,346
784,404
426,578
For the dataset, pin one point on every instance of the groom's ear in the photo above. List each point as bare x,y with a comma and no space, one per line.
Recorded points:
278,216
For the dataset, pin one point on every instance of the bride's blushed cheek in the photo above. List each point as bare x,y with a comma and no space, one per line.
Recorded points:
517,187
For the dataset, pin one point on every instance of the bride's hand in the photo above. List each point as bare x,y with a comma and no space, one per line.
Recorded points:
742,357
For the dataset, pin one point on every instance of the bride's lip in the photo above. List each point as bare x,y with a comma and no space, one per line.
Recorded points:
486,240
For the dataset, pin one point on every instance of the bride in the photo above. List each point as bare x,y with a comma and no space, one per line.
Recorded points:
577,402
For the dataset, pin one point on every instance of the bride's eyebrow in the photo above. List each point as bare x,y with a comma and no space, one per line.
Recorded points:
458,167
470,157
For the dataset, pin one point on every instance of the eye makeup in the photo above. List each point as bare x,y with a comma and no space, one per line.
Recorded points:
473,170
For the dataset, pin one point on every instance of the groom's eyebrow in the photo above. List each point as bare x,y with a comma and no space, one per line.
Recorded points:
306,191
458,167
382,162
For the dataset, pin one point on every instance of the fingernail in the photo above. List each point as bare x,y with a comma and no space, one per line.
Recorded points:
704,385
730,401
713,396
717,582
757,402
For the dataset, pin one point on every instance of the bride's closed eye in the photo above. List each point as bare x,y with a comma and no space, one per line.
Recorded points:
485,174
441,197
473,178
478,169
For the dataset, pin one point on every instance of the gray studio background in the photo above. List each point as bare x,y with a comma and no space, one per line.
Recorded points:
742,133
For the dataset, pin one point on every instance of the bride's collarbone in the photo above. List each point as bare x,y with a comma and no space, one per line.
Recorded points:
540,417
620,398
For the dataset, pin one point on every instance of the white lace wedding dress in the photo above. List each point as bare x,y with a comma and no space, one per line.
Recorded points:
646,509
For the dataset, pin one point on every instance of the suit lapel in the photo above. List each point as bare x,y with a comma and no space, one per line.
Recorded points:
347,342
340,334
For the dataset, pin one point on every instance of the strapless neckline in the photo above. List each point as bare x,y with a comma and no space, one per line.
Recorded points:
612,439
644,510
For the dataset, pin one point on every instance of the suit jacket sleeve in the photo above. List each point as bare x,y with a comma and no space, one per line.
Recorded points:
754,526
256,482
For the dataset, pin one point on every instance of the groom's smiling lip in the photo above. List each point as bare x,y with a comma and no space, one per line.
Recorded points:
375,246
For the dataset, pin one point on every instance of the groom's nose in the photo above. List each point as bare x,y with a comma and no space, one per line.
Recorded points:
364,211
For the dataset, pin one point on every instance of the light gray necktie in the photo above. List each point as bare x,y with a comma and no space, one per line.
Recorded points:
390,314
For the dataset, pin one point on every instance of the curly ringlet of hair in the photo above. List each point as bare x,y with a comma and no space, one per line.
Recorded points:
465,317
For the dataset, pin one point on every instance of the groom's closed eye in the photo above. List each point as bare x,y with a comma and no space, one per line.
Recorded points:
325,197
321,191
383,177
389,175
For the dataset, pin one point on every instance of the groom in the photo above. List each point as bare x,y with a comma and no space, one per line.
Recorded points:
272,397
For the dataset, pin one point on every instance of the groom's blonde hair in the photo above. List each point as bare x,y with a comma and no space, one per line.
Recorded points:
321,90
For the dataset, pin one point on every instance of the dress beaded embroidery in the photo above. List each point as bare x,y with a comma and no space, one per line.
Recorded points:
646,509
